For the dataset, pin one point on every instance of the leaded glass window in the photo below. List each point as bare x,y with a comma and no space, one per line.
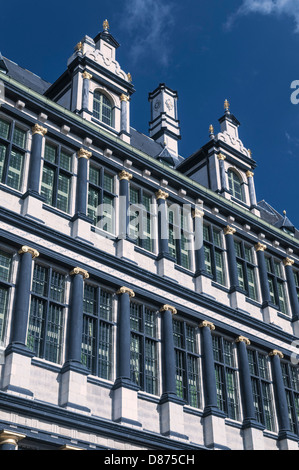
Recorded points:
290,375
46,317
277,284
226,377
5,273
187,363
143,347
262,389
102,108
179,236
235,185
246,269
101,198
141,218
57,177
12,153
214,253
97,343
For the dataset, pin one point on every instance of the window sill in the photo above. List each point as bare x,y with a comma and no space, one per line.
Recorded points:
285,316
10,190
148,397
253,302
56,211
220,286
183,270
145,252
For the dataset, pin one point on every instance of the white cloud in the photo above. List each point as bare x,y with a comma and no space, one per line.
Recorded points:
148,23
268,7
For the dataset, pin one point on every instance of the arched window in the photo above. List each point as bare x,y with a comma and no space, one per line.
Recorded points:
102,108
235,185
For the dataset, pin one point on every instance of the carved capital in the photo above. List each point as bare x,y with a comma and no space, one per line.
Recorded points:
170,308
260,247
82,153
161,194
38,129
26,249
124,97
125,290
197,213
220,156
207,323
125,175
242,339
87,75
288,262
81,271
229,230
249,174
9,437
275,352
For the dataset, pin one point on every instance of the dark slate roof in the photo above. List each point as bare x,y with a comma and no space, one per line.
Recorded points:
270,215
25,77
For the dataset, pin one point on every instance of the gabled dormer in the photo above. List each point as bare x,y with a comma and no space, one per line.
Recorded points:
95,86
224,164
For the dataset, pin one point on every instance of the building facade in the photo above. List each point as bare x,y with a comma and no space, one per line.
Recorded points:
148,301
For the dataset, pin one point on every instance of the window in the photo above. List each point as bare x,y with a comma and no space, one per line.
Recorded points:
97,331
246,269
12,154
187,366
56,178
5,273
141,218
143,348
277,285
296,276
101,195
214,252
261,389
226,377
46,317
235,185
179,236
290,375
102,108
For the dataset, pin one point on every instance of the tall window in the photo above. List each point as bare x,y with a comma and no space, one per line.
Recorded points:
296,276
12,153
291,382
261,388
97,331
46,318
179,236
101,195
246,269
102,108
143,358
277,285
235,185
57,175
214,253
187,363
141,218
226,377
5,273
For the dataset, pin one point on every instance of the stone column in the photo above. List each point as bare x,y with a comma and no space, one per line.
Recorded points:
202,278
171,406
81,222
260,248
125,247
161,197
16,373
287,439
85,91
251,188
288,264
124,122
221,159
124,405
32,200
252,430
73,384
9,440
213,417
231,258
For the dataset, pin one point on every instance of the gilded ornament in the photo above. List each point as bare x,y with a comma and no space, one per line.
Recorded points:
125,175
211,129
124,97
260,247
242,339
220,156
105,25
226,105
82,153
87,75
125,290
288,262
79,46
207,323
249,174
161,194
197,213
275,352
129,76
26,249
229,230
81,271
38,129
170,308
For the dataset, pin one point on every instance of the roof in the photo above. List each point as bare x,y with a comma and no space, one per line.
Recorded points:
25,77
270,215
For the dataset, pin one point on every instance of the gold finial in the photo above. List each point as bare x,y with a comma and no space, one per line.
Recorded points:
226,105
250,152
284,213
79,46
129,77
211,129
105,25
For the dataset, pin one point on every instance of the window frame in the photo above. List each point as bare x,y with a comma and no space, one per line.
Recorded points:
176,232
147,215
276,280
233,182
210,246
98,114
292,394
246,265
6,285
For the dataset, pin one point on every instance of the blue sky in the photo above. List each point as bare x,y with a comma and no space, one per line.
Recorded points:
246,51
